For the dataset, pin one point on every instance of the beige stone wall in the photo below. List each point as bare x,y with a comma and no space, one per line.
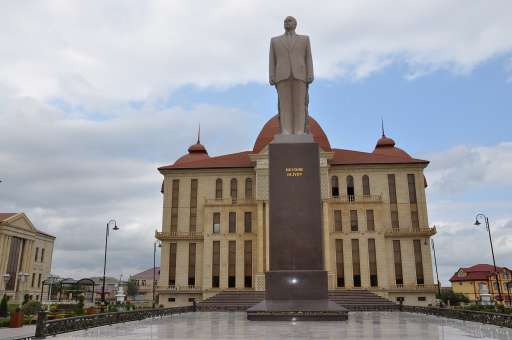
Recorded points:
259,235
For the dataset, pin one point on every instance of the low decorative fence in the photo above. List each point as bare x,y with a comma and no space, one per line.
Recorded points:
498,319
47,327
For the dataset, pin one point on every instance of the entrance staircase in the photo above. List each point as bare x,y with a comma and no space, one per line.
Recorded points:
353,300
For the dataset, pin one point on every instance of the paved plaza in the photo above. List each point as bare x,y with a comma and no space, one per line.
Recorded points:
360,326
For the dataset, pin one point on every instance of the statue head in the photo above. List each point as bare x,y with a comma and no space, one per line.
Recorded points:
290,23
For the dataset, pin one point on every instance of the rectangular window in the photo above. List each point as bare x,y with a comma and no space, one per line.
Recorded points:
248,188
353,220
393,201
193,205
216,264
172,263
232,264
397,254
37,254
216,222
422,298
370,220
39,281
12,263
411,182
337,221
171,299
174,205
42,255
248,222
418,259
232,222
33,279
192,264
372,259
340,270
356,266
248,264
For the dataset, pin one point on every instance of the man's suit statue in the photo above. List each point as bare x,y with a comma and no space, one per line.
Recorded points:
291,71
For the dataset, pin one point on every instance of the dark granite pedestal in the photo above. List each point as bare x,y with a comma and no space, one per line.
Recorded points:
296,284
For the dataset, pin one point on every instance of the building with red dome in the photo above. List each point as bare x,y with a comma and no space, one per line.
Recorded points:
375,223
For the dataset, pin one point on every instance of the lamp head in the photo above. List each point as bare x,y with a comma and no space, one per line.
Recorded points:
477,222
115,227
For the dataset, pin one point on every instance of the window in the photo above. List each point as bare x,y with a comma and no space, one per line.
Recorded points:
370,220
192,264
234,189
335,189
216,222
172,264
366,185
171,299
216,264
174,205
372,258
191,299
33,279
392,201
42,255
248,222
248,189
397,254
340,270
422,298
337,221
39,281
419,262
411,182
353,220
37,254
356,267
218,189
193,205
350,188
232,222
248,264
232,264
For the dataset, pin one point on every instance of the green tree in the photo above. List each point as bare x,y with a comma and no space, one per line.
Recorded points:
4,311
31,307
132,289
454,298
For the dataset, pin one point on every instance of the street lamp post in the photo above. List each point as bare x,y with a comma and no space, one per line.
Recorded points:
6,278
155,244
477,223
23,277
437,274
105,259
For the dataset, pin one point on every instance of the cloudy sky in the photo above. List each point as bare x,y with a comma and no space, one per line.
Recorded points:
95,95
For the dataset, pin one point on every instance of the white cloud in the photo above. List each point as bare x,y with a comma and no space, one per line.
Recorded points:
88,52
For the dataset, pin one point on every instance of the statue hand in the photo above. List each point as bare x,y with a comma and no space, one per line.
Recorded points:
310,80
272,82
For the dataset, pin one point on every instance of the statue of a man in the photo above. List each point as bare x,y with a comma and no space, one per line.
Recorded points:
291,71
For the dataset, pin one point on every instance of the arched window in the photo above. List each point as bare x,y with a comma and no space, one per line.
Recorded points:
350,188
248,188
234,188
218,189
335,189
366,185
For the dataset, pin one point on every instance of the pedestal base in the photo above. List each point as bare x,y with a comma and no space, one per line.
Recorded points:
297,310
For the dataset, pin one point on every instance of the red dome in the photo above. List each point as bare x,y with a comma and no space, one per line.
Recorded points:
271,128
195,152
386,146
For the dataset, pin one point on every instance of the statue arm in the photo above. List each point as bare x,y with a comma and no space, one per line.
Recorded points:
271,64
309,62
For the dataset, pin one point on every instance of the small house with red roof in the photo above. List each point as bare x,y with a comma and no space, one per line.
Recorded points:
470,280
375,221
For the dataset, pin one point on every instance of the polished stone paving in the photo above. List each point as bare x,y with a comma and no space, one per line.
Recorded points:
360,326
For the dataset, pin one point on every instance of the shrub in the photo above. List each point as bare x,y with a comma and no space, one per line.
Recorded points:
79,307
4,322
4,311
454,298
31,307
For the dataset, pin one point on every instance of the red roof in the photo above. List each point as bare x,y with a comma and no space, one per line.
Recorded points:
4,216
271,128
147,274
234,160
350,157
479,272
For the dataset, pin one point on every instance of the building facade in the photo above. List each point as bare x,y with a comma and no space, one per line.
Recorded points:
375,223
25,257
144,283
470,280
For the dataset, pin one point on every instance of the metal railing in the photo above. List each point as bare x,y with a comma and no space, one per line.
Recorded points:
356,198
47,327
182,288
179,235
405,232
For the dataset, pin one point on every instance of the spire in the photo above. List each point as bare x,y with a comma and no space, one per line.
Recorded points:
199,134
382,126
